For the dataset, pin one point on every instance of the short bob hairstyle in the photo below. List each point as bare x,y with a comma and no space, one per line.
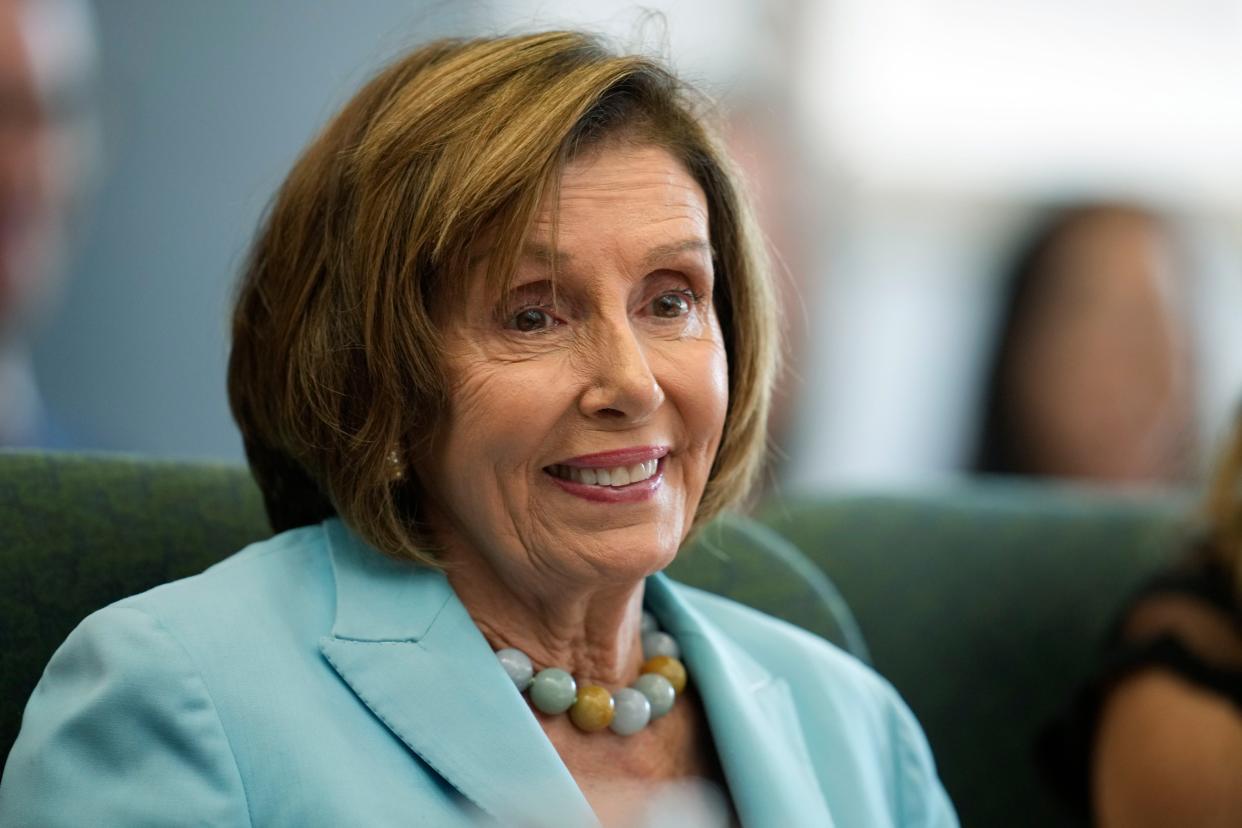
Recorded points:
336,360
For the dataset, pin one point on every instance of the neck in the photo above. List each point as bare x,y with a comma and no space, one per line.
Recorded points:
590,630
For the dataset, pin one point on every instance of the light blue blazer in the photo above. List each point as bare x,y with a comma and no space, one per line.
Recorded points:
311,681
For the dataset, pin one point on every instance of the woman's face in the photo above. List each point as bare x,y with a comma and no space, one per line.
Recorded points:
560,396
1102,378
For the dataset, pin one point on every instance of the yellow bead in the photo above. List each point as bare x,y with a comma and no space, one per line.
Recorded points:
594,709
670,668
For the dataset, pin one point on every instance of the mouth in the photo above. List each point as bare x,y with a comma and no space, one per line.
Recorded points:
621,476
615,477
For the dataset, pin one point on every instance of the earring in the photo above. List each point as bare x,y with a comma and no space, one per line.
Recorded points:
396,467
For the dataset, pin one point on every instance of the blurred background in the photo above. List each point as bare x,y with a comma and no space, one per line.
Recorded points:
1009,234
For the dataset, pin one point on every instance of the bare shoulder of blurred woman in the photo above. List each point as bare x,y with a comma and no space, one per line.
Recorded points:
1155,737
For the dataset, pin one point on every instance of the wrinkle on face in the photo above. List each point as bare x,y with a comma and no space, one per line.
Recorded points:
613,372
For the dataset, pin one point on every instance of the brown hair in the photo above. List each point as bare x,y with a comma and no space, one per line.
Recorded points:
1224,508
336,357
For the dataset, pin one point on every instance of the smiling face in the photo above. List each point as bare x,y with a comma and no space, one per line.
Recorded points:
585,416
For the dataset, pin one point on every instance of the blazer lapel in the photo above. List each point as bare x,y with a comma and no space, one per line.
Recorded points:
751,716
409,650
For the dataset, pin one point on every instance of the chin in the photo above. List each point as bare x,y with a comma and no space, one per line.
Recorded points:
634,557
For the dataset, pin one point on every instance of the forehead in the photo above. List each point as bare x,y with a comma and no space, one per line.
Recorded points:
14,55
616,206
623,193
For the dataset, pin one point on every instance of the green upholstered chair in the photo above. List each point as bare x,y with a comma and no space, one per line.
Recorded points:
981,604
78,532
984,604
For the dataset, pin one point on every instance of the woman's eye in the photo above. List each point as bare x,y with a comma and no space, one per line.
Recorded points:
672,305
530,320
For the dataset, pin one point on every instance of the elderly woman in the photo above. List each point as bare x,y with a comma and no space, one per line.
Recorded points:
504,341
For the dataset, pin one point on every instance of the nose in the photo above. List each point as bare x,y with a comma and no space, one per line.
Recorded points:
621,385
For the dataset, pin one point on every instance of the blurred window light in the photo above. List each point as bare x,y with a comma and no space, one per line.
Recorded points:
719,44
1021,95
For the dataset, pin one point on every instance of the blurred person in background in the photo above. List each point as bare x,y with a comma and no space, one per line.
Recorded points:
1092,376
46,131
1155,738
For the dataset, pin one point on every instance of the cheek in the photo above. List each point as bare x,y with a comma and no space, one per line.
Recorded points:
699,387
716,381
498,416
715,394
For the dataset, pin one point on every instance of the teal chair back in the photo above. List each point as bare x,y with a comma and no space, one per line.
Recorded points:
78,532
985,606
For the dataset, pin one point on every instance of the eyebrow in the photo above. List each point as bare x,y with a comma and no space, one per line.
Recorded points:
543,253
660,252
664,251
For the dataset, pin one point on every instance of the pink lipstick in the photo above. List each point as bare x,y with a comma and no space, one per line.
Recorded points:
626,475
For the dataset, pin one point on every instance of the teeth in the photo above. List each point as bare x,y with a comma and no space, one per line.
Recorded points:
618,476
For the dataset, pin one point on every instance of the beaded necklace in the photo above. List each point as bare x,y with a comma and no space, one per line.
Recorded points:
591,707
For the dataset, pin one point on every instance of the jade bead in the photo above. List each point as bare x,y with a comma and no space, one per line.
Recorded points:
659,692
593,710
553,691
517,665
649,623
670,668
631,712
660,644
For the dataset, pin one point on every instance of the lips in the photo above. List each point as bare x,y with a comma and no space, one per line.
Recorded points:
622,475
616,458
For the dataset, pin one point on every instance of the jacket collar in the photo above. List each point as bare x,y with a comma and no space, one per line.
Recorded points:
751,714
411,653
406,646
